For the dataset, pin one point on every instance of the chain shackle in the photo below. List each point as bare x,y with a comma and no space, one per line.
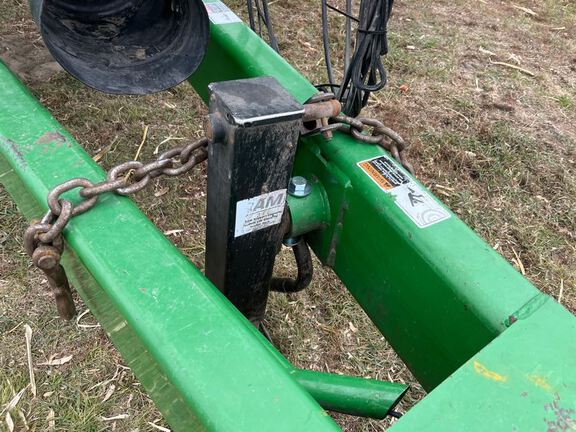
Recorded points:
30,236
57,226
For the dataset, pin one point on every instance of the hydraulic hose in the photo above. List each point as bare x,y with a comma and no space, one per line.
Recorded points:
305,272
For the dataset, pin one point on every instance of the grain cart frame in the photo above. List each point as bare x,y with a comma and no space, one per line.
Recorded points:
493,351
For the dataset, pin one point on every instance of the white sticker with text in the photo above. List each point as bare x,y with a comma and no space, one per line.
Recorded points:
260,212
219,13
414,201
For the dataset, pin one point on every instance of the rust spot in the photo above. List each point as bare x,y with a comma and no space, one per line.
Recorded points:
51,137
14,150
487,373
563,418
17,151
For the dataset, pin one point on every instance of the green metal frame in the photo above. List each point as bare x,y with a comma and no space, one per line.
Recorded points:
195,354
391,266
452,307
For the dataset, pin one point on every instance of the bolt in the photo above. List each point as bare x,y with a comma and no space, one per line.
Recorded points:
299,187
46,257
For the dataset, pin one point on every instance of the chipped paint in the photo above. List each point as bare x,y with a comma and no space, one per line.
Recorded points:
118,327
528,309
51,137
563,417
487,373
540,381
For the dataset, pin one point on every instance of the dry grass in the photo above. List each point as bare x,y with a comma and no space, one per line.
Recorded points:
498,146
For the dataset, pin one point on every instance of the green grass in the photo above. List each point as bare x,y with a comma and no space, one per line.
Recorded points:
565,102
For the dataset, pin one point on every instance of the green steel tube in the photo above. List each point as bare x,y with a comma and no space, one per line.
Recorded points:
362,397
439,294
309,213
351,395
96,269
204,365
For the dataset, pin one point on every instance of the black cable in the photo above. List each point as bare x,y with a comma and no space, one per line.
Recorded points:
363,69
260,17
348,12
348,35
250,7
326,41
364,72
264,20
268,22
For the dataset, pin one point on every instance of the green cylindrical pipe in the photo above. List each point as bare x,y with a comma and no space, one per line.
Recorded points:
351,395
346,394
309,213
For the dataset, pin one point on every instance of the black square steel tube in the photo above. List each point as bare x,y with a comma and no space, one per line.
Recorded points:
254,125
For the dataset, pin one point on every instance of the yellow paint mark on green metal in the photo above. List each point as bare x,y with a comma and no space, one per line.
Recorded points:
484,371
540,381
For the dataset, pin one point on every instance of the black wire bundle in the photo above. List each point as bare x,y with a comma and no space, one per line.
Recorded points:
363,69
261,9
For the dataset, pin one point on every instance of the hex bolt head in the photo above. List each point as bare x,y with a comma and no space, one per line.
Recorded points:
299,187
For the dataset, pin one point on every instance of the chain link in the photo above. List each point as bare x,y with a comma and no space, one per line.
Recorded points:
358,127
174,162
43,239
125,179
381,135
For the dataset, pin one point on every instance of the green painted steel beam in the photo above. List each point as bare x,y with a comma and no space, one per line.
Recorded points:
205,366
439,294
524,380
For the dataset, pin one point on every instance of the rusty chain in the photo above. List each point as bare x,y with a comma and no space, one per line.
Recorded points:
381,135
43,239
358,128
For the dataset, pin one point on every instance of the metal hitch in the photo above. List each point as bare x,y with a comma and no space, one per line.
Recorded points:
254,126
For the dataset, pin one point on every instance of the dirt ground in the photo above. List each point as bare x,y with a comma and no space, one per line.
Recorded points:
485,92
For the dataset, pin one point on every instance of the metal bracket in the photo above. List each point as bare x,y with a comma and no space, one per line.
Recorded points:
254,126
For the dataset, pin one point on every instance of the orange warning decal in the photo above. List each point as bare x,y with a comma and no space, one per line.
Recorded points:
375,175
408,195
384,173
